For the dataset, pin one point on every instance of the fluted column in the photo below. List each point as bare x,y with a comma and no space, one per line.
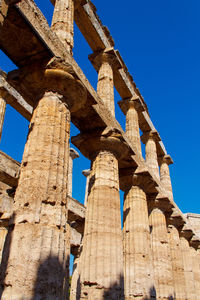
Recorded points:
196,270
104,62
75,281
150,139
63,22
3,234
40,240
188,269
102,256
136,235
2,114
177,263
72,155
165,175
86,173
163,276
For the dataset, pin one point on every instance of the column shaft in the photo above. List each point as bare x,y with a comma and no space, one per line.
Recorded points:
3,234
2,114
162,264
132,127
102,261
165,178
177,263
40,247
151,157
188,269
137,251
63,22
196,271
105,85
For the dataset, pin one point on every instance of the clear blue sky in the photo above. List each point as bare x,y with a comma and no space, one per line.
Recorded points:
160,43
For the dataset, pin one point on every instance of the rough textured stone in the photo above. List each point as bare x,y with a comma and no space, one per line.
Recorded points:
86,173
73,154
41,238
177,263
162,265
165,175
2,113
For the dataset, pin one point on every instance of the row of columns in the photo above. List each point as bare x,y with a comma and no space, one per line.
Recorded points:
141,262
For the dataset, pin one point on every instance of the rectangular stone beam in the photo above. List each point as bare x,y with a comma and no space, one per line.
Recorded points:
9,170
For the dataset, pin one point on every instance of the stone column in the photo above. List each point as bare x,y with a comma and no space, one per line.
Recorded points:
86,173
102,257
196,270
72,155
3,234
131,108
163,276
188,269
40,242
2,114
177,263
149,139
104,62
136,235
165,179
63,22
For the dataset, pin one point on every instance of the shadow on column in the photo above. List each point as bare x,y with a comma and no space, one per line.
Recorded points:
152,295
116,291
5,254
52,281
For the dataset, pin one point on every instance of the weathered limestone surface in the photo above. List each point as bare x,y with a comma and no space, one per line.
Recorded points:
9,170
165,175
40,240
86,173
194,220
188,269
162,265
196,270
177,263
62,22
73,154
102,259
151,152
137,251
2,113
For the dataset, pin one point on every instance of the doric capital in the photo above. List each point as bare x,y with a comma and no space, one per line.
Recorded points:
195,241
55,76
187,231
165,159
176,218
153,135
108,139
160,201
107,55
73,153
127,103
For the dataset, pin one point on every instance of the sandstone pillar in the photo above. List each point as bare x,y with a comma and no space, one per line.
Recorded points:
177,263
2,114
163,276
63,22
188,269
3,234
75,281
86,173
196,270
165,175
102,256
150,139
104,62
136,235
40,242
72,155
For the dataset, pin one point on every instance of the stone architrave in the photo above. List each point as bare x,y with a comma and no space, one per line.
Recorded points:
72,155
177,263
101,274
38,260
188,269
62,22
136,235
149,139
86,173
165,179
162,264
2,114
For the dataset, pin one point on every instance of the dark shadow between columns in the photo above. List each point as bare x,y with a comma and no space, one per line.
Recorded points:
116,291
5,255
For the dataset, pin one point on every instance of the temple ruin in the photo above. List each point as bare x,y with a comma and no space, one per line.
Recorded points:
156,253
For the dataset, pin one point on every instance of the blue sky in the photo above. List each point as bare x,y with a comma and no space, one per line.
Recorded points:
160,43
